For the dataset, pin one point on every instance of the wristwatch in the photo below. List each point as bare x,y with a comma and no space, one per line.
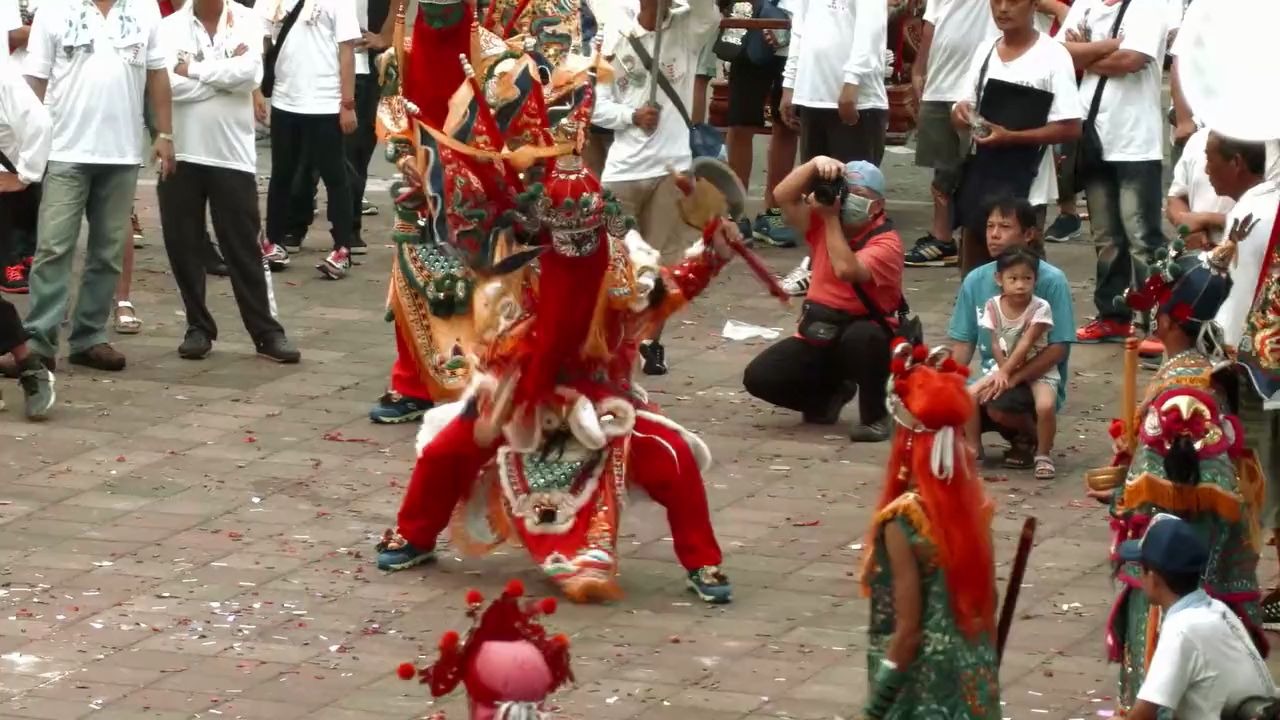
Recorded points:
164,136
348,105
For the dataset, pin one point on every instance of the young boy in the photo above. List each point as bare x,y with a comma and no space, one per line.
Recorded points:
25,138
1018,322
1204,665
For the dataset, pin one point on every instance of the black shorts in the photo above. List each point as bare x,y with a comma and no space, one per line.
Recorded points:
751,88
1017,400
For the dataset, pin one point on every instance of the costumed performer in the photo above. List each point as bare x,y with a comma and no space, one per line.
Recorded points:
434,295
1184,456
545,446
929,567
507,662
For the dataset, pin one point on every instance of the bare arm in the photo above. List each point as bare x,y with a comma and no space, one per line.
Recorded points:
908,631
18,38
997,352
844,261
921,65
1120,63
1182,116
1084,54
1018,357
347,69
38,86
1176,208
1143,710
1037,366
1054,133
962,352
161,97
789,194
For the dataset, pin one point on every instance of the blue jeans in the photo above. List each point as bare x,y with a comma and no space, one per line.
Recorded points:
103,193
1124,213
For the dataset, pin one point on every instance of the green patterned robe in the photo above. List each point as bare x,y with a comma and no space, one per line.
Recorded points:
1233,558
953,677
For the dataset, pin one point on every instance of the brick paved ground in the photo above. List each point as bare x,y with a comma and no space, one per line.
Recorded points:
193,539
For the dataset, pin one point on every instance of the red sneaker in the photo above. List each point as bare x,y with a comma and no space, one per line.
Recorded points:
14,280
1100,330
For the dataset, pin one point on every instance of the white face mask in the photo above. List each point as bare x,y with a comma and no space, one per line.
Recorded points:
856,209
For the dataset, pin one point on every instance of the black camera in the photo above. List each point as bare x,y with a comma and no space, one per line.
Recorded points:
829,192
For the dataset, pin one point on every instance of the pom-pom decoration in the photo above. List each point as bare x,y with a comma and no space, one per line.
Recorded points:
1116,429
514,588
1181,313
406,671
506,620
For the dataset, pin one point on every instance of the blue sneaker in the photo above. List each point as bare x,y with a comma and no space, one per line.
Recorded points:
771,229
395,553
711,585
394,409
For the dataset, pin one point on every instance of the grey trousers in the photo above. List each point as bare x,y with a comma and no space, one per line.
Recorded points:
103,193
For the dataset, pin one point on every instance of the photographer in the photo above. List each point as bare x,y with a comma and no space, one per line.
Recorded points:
842,346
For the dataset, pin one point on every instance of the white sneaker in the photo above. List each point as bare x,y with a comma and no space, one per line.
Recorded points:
796,282
276,257
336,265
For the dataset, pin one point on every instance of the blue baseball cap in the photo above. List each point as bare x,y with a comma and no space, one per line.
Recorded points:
861,173
1170,546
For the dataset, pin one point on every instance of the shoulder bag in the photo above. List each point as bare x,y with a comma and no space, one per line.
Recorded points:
909,326
704,140
1089,152
269,59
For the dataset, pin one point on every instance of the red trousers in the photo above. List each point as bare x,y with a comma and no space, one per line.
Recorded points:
406,377
661,464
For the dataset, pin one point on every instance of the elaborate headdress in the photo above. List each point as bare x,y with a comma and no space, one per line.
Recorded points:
930,405
1189,289
507,661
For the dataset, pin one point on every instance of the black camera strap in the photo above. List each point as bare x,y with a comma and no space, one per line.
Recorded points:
874,311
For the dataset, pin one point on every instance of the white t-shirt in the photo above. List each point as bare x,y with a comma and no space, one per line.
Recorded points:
1190,181
1047,66
307,73
836,43
10,19
961,28
213,120
1008,330
636,154
1130,118
1204,663
362,55
95,93
1261,202
26,132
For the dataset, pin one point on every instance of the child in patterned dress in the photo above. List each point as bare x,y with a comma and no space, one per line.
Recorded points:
1019,322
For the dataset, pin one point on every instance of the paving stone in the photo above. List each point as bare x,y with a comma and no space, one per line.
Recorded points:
186,537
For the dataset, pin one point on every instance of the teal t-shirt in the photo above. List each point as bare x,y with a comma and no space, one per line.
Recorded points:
979,286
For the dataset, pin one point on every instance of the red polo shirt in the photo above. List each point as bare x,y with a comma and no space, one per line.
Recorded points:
881,254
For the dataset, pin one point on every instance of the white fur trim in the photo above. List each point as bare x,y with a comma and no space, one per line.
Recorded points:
584,423
435,419
619,417
696,249
700,451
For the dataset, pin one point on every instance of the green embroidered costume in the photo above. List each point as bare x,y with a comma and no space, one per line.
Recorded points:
1221,507
953,677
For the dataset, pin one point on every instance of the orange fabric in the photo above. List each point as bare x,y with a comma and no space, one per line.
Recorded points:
958,507
882,256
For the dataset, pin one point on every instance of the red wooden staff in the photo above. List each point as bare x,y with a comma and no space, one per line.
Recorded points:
1015,584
